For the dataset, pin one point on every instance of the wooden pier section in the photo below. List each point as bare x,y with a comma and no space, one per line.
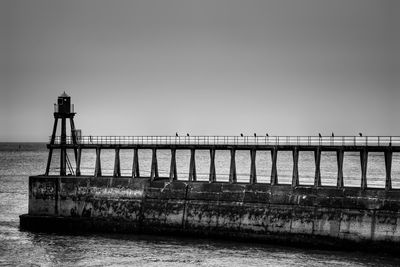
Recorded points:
338,144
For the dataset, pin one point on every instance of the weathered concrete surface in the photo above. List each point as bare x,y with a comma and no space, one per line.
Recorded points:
308,215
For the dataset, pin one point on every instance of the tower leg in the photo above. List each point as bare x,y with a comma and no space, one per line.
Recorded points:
53,135
74,140
49,162
63,156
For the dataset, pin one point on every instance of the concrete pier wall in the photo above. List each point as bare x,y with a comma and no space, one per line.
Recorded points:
267,212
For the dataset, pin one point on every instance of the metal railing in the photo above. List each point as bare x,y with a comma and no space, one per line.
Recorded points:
381,141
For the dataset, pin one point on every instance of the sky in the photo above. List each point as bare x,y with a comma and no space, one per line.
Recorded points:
210,67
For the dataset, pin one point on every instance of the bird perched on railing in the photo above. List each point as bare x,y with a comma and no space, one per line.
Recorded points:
241,135
187,134
255,135
266,135
176,134
360,134
319,135
333,135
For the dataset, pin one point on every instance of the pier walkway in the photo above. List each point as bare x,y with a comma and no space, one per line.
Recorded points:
238,141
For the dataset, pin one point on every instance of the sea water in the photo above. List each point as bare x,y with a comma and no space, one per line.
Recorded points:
24,248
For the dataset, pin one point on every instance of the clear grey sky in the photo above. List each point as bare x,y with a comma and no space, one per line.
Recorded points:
286,67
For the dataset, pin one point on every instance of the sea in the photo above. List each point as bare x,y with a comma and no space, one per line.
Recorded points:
23,248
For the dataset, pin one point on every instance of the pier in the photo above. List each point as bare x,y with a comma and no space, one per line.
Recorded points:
333,216
274,144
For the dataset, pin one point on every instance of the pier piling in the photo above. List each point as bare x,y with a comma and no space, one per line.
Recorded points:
253,170
213,176
78,162
154,165
340,155
364,167
295,176
388,166
192,166
97,171
317,159
274,171
173,174
117,165
232,168
135,163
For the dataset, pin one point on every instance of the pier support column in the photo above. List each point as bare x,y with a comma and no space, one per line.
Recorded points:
154,165
253,172
135,164
192,166
49,162
173,175
53,137
117,166
388,167
74,139
364,163
213,176
317,157
97,169
63,155
78,162
340,155
295,177
232,169
274,172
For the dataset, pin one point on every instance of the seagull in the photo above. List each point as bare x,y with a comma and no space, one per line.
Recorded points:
360,134
241,135
320,135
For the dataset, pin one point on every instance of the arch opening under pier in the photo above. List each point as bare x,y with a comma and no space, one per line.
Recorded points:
306,167
243,166
284,167
263,166
396,170
202,164
183,159
376,170
144,162
222,165
351,169
329,168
